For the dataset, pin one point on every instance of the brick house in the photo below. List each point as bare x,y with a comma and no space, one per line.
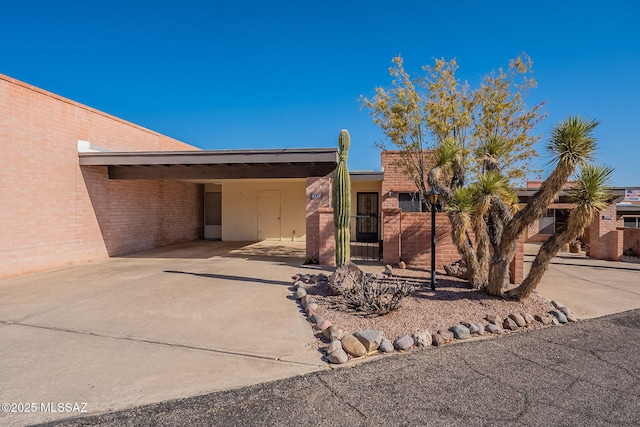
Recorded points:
78,184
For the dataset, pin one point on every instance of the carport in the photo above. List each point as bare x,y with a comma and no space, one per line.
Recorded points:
246,195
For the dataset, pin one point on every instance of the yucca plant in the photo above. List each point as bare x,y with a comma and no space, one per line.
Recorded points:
591,195
571,145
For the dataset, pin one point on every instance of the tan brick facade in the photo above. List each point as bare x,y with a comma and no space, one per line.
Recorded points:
54,213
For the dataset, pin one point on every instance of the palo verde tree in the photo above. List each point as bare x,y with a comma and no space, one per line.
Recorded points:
474,147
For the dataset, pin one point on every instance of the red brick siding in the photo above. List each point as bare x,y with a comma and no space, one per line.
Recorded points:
605,240
321,186
407,235
327,242
52,212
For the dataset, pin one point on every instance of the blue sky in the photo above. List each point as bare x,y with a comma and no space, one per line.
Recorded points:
253,74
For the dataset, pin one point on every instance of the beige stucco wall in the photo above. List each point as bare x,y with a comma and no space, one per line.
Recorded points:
240,208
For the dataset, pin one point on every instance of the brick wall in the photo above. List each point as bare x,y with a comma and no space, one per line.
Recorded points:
54,213
605,240
407,235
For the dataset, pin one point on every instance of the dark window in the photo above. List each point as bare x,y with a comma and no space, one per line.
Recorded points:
410,202
631,222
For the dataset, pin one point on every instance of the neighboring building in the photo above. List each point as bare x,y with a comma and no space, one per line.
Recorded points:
613,235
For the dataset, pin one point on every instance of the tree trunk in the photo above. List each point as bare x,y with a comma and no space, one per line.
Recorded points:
499,270
540,264
577,220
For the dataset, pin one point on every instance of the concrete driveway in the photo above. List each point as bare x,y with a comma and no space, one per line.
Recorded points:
154,326
590,287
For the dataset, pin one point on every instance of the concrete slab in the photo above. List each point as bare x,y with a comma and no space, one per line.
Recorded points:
591,288
159,325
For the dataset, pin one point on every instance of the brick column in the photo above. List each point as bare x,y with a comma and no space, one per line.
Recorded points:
605,241
391,236
318,195
326,241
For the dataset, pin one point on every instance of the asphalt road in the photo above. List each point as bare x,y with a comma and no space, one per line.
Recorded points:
583,374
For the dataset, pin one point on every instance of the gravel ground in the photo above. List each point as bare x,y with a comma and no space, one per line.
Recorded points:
425,310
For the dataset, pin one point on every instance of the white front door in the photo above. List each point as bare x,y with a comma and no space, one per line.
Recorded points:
269,212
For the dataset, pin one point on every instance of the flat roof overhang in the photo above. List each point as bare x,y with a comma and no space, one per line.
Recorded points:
215,164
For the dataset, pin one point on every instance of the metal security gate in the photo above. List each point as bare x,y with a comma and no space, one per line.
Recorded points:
367,245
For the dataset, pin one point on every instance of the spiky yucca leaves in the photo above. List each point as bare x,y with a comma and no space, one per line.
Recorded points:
447,171
491,153
591,195
572,144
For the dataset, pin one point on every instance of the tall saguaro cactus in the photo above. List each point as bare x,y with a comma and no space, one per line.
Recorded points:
342,202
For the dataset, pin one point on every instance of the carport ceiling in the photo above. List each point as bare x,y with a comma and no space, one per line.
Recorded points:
218,164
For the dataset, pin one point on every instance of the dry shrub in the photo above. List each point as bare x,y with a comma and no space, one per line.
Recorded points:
374,296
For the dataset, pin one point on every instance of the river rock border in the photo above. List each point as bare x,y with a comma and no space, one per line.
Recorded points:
345,346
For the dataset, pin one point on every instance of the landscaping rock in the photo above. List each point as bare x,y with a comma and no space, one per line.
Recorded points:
554,321
316,318
461,332
545,320
305,278
492,318
473,328
457,269
510,324
386,346
557,304
338,357
518,319
437,340
323,325
405,342
337,334
494,329
388,270
300,292
347,276
559,315
422,339
327,332
566,311
321,277
446,335
480,328
311,307
370,339
402,265
299,284
528,318
571,319
353,346
308,299
333,346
